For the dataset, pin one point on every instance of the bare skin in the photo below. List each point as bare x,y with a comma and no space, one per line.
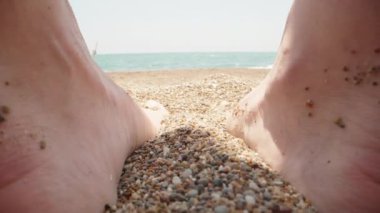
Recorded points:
65,129
316,116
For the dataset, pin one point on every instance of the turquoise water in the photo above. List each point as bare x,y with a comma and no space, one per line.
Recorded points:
167,61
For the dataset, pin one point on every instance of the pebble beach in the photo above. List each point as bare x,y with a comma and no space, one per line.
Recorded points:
194,164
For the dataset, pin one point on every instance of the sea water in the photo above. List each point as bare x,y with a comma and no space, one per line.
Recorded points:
170,61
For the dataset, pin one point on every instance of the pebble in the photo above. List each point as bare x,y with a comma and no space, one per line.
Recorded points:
216,195
245,166
221,209
203,181
164,184
250,200
192,193
176,197
176,180
262,182
218,182
249,192
267,195
166,151
254,186
187,173
240,204
178,207
278,182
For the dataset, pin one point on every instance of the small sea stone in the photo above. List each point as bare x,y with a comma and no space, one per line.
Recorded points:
278,182
178,207
250,200
249,192
187,173
245,166
192,193
176,197
262,182
204,196
267,195
166,151
216,195
176,180
239,204
203,181
221,209
218,182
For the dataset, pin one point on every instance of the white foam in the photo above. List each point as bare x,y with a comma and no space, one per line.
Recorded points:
262,67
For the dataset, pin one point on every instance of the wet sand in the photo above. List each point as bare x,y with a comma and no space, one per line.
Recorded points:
194,165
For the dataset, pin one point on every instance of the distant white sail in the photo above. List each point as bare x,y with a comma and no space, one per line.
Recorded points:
95,51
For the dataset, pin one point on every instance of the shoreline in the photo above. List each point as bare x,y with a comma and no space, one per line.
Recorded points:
178,76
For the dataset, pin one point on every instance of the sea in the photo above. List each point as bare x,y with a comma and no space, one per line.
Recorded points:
172,61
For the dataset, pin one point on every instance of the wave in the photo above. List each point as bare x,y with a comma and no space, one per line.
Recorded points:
261,67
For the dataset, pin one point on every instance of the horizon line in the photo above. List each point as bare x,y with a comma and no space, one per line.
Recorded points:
175,52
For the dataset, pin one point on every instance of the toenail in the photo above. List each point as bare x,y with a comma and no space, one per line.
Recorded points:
42,145
339,122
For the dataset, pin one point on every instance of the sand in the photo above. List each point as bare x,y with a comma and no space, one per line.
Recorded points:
194,165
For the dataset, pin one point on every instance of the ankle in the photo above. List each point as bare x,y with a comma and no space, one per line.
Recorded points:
37,31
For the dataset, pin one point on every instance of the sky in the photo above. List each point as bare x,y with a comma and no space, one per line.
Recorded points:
144,26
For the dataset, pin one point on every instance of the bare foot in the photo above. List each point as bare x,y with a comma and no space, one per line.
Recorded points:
65,129
315,118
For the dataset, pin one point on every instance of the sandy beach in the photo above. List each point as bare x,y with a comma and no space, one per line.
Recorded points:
194,165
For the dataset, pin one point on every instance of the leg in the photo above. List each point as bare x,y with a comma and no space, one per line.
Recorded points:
65,129
315,118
